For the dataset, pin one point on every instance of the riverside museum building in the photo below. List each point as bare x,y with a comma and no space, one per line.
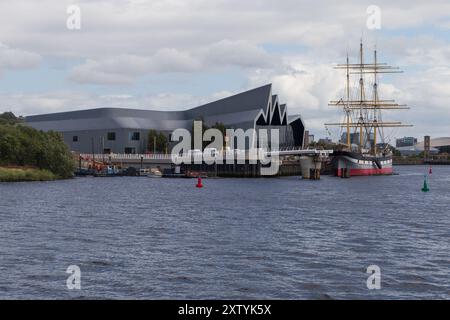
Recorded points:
121,130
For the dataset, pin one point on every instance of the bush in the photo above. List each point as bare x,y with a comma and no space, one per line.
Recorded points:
25,174
21,145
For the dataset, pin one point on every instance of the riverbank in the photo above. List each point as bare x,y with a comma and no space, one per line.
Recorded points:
18,174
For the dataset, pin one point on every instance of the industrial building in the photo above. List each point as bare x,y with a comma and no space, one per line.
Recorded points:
437,145
405,142
120,130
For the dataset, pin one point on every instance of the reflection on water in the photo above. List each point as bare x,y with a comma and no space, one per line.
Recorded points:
235,238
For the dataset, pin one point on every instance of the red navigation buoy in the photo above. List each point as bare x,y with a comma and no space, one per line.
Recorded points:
431,170
199,183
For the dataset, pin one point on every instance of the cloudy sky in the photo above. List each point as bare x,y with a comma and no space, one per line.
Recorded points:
176,54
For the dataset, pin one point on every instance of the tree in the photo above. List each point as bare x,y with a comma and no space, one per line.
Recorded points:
218,125
323,145
152,134
9,118
157,142
21,145
394,151
161,143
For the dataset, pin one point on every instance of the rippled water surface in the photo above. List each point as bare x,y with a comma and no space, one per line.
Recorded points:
283,238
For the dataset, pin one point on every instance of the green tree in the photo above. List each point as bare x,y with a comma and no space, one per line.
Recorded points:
21,145
324,145
218,125
151,138
9,118
157,142
161,143
394,151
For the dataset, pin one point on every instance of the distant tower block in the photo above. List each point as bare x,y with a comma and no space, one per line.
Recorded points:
306,141
426,147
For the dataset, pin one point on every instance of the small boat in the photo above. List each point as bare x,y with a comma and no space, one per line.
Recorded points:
155,174
144,172
107,171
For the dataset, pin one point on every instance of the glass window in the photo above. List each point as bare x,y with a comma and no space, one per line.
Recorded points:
130,150
111,136
135,136
75,138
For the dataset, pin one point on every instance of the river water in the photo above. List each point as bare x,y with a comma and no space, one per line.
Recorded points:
280,238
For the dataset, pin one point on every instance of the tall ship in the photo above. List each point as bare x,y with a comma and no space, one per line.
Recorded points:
363,150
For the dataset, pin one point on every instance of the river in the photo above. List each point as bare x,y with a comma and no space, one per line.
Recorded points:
266,238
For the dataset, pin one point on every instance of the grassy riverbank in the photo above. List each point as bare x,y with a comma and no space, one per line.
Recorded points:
25,174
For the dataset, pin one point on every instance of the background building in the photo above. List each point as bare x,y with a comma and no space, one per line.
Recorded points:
405,142
354,138
309,138
117,130
442,144
437,145
325,141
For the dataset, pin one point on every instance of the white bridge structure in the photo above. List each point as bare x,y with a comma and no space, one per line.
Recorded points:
324,154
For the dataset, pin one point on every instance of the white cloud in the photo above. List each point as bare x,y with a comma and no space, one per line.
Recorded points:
307,86
142,27
12,58
237,53
60,101
125,68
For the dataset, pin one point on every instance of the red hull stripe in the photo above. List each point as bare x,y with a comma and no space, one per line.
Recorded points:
368,172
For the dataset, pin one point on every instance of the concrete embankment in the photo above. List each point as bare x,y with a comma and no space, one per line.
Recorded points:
247,170
419,161
398,161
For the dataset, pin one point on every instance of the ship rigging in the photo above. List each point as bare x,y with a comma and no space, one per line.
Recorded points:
363,116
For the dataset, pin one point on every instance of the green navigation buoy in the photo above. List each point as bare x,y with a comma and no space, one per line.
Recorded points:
425,185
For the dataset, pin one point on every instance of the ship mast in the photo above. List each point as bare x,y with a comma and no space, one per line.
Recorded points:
347,110
375,99
361,95
366,123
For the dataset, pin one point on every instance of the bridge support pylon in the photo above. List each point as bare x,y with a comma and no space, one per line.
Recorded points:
310,167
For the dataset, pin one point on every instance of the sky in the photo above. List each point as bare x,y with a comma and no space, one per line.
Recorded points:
178,54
